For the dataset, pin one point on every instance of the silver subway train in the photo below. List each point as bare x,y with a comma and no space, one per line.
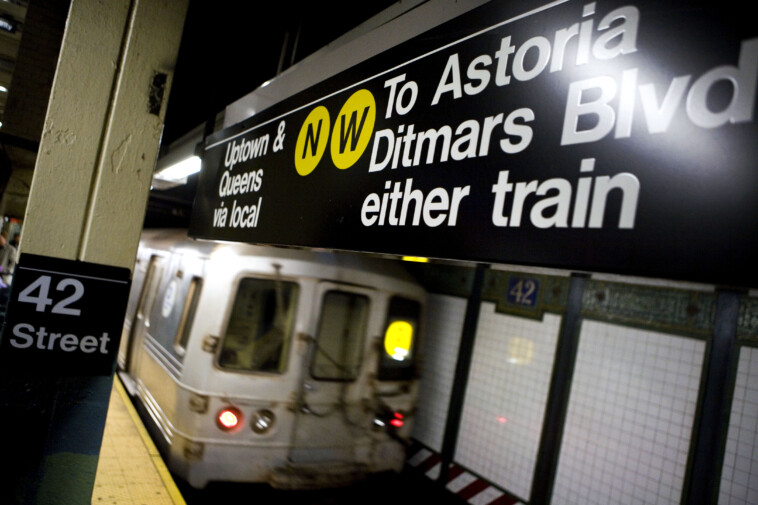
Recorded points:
252,364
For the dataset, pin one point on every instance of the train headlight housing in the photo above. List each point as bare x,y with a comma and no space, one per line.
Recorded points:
229,419
262,421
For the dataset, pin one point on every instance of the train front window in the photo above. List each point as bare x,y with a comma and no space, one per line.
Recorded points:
341,333
258,334
397,357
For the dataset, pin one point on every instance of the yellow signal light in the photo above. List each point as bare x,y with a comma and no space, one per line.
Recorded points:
398,339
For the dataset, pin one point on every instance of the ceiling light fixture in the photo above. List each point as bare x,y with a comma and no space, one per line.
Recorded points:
179,171
179,161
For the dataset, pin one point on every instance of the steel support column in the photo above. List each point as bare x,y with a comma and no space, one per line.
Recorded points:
709,432
462,368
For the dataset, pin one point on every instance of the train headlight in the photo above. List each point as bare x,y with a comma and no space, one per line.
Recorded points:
262,421
229,419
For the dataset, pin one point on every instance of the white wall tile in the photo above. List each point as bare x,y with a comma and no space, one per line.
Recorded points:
630,415
439,353
505,401
739,474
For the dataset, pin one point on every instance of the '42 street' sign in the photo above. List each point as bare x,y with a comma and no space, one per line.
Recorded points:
64,317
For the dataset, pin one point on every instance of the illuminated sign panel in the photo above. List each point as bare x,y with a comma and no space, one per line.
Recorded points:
602,136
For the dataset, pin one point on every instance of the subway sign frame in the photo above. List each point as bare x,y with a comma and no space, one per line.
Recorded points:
608,136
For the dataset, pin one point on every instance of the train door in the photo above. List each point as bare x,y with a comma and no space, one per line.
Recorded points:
147,296
332,421
170,318
135,294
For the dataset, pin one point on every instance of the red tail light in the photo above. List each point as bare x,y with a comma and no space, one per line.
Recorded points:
397,420
387,418
229,418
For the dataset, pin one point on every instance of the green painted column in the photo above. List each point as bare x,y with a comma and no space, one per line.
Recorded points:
87,203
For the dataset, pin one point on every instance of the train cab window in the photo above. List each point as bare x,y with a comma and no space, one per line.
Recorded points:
397,358
260,325
340,337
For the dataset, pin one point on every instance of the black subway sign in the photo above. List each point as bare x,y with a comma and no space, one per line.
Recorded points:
64,317
603,136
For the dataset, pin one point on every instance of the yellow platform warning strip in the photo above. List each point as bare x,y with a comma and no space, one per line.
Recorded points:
130,470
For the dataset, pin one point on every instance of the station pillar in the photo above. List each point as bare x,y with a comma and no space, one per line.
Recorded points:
85,213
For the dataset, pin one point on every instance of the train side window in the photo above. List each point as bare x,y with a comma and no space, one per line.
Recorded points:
397,356
147,295
188,313
169,311
340,337
260,326
139,284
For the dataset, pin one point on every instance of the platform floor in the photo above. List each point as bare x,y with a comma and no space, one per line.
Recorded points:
130,470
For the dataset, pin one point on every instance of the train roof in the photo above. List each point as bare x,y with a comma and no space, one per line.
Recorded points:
178,239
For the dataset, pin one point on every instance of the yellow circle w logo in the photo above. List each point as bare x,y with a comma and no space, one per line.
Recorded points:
349,138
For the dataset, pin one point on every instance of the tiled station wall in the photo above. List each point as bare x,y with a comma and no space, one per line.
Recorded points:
636,389
739,477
